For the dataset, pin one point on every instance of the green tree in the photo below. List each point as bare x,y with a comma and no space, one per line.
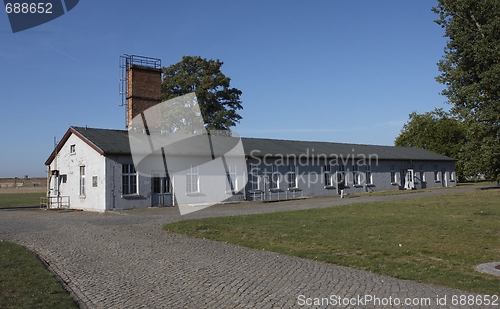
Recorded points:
470,70
435,131
219,103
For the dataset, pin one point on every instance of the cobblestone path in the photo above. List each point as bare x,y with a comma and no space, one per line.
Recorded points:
124,260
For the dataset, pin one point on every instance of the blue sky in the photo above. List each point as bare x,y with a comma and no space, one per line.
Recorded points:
340,71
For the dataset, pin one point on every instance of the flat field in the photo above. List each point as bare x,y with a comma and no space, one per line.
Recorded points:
20,199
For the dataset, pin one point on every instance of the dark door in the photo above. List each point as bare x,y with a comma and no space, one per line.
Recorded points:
402,179
160,190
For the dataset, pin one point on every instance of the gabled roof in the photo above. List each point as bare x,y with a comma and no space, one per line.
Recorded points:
116,142
104,141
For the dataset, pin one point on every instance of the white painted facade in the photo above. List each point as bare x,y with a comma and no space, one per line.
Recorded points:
95,182
69,161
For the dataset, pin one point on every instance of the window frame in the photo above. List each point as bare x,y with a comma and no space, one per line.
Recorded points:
368,175
292,176
130,183
341,174
393,174
231,176
253,179
422,173
356,179
437,177
274,183
82,181
192,179
327,172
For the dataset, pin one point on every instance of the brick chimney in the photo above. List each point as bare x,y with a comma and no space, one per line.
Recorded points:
143,76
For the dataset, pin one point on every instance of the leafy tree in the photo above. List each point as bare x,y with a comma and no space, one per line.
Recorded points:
219,103
471,73
435,131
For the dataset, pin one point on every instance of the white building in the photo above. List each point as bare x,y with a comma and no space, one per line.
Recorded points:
93,169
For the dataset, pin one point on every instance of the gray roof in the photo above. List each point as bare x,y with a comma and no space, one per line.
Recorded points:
109,141
116,142
329,149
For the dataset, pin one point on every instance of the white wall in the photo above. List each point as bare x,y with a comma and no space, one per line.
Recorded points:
212,177
69,166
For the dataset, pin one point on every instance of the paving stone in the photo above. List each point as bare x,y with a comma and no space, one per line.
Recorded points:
124,260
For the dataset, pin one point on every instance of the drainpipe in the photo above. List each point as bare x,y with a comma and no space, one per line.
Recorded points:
113,188
172,183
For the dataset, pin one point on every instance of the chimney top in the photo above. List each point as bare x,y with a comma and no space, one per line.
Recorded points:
140,85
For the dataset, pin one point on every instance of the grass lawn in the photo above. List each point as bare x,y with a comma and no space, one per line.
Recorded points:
20,199
435,240
398,192
26,283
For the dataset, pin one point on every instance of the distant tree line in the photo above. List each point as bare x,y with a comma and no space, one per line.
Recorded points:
470,72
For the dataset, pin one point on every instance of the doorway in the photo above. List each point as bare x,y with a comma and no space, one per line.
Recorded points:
402,179
407,178
161,190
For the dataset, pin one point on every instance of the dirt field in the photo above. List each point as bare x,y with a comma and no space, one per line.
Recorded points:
23,185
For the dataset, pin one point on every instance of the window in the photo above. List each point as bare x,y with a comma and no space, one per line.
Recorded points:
253,177
94,181
341,173
355,174
436,173
393,174
452,176
292,176
129,179
422,174
192,179
72,149
231,178
82,180
368,174
275,177
327,175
